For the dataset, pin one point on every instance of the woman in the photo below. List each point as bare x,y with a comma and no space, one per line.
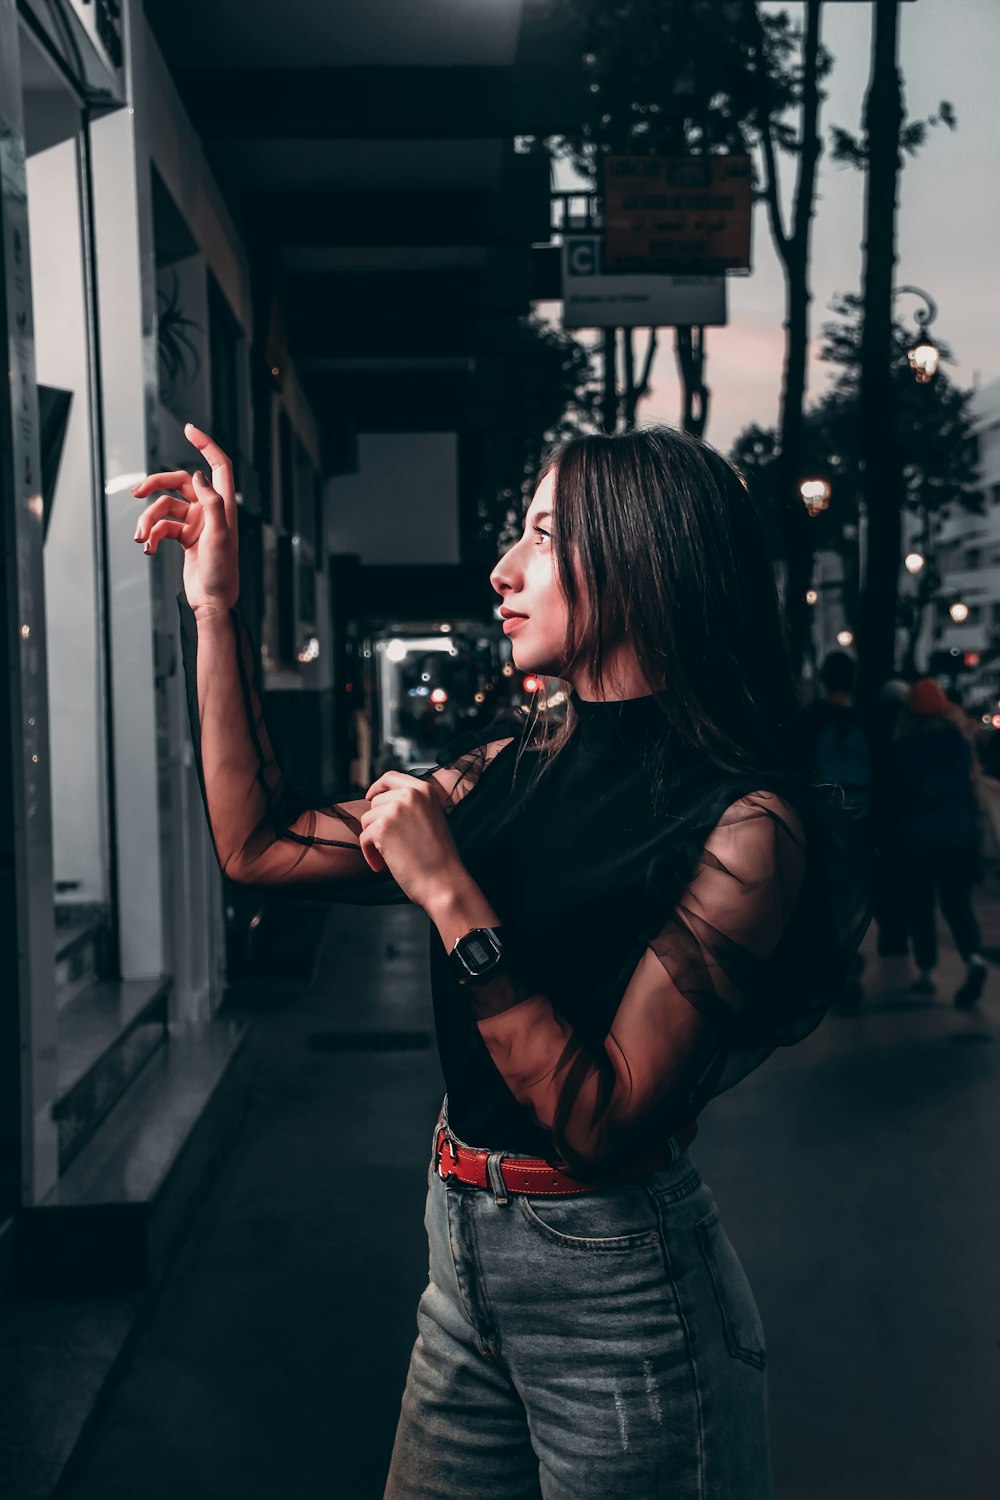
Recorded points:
936,817
628,913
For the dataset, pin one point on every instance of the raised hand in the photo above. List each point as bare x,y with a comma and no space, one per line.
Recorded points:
204,522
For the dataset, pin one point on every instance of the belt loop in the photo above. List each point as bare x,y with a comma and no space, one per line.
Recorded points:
495,1176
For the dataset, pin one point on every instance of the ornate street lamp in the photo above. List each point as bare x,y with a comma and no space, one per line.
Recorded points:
923,354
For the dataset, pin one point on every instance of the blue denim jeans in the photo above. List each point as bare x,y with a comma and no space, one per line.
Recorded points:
589,1347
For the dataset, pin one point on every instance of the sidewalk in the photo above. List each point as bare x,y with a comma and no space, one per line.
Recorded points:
856,1175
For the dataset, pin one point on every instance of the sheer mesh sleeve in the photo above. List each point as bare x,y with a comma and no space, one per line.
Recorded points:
700,987
263,829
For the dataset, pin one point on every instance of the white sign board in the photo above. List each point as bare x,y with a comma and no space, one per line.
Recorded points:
593,300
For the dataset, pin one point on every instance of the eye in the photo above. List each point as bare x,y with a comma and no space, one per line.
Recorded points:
539,532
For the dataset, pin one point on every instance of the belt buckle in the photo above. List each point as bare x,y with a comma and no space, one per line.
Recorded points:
443,1141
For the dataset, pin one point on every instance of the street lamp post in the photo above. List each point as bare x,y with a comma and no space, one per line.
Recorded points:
923,354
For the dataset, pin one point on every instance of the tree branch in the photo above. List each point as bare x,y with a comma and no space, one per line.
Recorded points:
766,133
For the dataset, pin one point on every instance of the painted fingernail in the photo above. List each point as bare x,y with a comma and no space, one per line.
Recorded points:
138,535
147,549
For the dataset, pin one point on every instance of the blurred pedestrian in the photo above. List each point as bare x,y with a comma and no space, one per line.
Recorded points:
936,817
833,736
890,873
834,750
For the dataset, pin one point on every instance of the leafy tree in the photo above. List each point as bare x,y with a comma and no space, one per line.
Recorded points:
550,393
938,449
676,76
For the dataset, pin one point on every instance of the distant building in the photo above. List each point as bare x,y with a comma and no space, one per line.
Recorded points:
968,558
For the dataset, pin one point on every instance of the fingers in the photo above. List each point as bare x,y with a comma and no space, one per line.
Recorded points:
222,469
214,510
392,781
177,530
174,479
372,857
166,505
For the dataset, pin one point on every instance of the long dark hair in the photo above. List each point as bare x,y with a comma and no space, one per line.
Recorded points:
675,561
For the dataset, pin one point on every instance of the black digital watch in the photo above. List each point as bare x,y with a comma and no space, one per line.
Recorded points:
477,954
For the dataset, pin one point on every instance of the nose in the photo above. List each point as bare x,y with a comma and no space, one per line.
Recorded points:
501,578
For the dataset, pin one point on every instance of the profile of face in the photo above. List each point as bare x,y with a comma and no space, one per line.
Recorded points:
534,610
536,614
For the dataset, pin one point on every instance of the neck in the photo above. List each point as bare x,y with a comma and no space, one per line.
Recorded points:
621,682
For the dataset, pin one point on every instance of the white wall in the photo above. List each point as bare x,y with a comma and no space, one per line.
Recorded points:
402,504
75,695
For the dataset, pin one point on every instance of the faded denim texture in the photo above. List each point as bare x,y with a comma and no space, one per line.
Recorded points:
601,1345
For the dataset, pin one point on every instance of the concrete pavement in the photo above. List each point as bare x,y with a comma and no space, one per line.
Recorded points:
856,1173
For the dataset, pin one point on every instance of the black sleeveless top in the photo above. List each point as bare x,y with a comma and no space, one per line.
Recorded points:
666,926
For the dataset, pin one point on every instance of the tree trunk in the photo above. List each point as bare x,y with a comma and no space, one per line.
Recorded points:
690,349
882,475
795,517
609,397
793,251
636,389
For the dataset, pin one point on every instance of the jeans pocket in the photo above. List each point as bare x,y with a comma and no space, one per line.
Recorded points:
613,1219
740,1317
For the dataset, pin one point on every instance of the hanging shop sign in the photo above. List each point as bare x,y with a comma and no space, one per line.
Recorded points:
677,214
592,299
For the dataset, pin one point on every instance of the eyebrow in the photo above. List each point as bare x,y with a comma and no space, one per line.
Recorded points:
540,515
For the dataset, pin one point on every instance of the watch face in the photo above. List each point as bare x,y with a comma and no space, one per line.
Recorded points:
477,951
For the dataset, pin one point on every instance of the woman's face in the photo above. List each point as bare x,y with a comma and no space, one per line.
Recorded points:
525,578
537,620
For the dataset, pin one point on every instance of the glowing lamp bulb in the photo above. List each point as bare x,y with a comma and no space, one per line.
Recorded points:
913,562
438,695
959,612
531,684
815,494
845,637
924,359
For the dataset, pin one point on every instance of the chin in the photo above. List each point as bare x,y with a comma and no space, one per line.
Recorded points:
526,660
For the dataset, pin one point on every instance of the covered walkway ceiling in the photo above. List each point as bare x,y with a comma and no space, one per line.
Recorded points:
368,154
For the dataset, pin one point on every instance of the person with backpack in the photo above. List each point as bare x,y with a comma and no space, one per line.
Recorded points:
833,736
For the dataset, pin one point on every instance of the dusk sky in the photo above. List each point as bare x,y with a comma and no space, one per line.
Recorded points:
948,228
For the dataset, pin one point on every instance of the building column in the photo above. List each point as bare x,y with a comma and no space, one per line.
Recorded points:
28,1143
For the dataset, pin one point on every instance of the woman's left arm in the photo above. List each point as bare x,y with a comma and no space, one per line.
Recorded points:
690,990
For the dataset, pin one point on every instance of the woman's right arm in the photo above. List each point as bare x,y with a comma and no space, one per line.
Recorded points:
262,833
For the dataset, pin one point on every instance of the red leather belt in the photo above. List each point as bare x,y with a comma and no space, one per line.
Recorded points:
523,1174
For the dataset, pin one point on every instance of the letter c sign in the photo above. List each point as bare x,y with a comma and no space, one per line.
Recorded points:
581,256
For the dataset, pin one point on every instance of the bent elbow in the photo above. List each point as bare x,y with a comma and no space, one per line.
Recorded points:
234,869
